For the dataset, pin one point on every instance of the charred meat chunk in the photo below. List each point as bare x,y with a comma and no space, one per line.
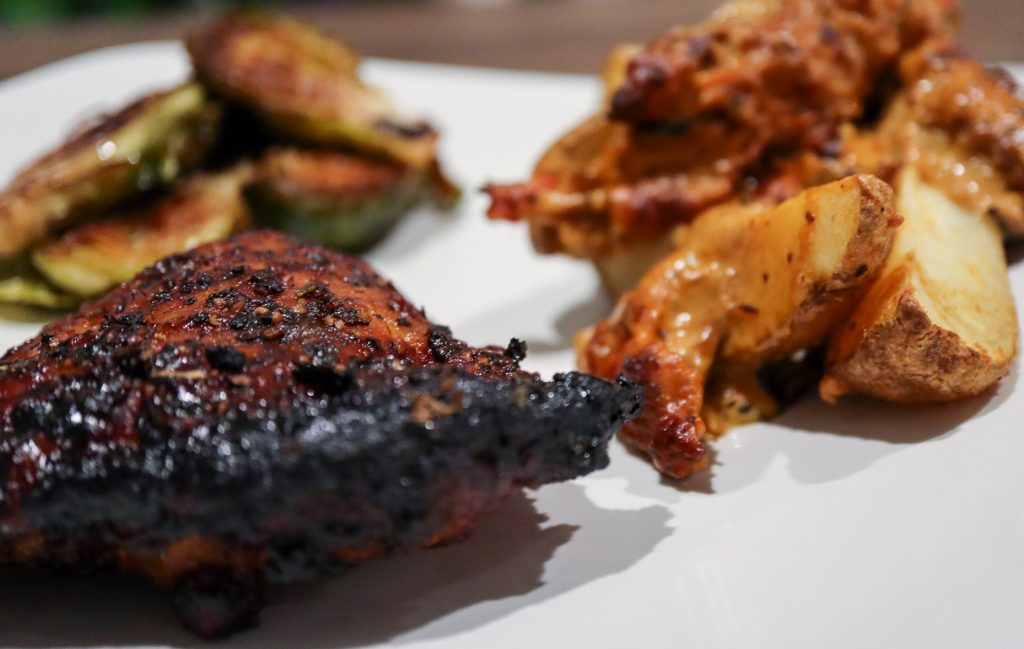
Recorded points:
260,410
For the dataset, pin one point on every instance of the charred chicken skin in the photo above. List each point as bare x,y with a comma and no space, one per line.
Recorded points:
259,410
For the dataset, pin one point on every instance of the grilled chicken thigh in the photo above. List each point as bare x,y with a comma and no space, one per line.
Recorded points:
261,410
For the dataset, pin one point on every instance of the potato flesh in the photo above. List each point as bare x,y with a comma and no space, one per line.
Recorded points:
940,324
950,291
746,285
803,262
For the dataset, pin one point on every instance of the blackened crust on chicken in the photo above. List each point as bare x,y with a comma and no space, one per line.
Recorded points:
264,410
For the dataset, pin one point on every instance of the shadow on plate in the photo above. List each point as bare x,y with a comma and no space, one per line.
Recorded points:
819,443
577,317
1014,252
867,431
568,321
511,562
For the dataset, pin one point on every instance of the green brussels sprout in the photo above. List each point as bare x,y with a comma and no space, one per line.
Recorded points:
304,85
146,145
95,257
20,283
343,201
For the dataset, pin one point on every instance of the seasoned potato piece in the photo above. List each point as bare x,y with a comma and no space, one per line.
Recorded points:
805,265
346,202
95,257
940,322
746,285
786,177
304,85
148,144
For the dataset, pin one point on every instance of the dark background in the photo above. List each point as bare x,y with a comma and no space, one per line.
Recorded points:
557,35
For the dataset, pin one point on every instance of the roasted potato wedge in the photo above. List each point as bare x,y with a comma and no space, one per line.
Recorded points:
940,323
346,202
304,85
623,269
146,145
747,285
805,264
95,257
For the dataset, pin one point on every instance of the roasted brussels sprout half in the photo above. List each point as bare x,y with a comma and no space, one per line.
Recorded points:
346,202
304,85
97,256
20,283
147,144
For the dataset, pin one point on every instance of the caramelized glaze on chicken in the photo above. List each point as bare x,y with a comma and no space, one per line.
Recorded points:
260,410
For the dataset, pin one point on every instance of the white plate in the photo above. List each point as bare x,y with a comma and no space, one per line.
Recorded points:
856,526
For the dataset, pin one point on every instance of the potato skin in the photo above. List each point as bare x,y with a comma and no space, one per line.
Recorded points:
935,364
940,324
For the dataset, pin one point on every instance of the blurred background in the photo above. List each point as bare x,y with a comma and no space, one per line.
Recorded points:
555,35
